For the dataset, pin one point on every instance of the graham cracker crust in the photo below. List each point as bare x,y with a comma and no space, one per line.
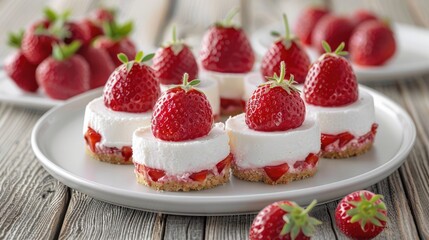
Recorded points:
350,151
259,175
211,181
109,158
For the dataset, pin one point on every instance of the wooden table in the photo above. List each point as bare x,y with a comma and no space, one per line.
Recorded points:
34,205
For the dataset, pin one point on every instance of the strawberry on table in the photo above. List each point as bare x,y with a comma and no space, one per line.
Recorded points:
64,74
226,48
18,68
116,40
132,87
284,220
286,49
173,60
306,22
275,105
100,64
182,113
331,80
361,215
332,29
372,44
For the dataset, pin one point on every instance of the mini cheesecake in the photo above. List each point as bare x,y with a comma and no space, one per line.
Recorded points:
195,164
274,157
346,130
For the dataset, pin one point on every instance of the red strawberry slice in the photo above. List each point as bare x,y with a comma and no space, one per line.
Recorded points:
199,176
312,159
374,128
92,138
276,105
154,174
276,172
222,164
306,22
127,152
226,48
327,139
182,113
286,49
345,138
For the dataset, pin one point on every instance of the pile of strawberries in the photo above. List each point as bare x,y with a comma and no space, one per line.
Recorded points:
66,57
368,38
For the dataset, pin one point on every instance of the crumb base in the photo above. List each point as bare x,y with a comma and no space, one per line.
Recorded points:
350,151
109,158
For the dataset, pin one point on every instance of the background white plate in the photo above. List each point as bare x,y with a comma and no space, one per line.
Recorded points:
58,143
412,56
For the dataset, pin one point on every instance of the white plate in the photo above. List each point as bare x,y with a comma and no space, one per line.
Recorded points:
58,143
412,56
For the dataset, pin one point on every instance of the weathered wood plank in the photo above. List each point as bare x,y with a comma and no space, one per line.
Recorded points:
87,218
32,202
228,227
184,227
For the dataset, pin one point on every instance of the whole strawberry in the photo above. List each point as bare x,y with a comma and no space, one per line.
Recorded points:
100,64
332,29
284,220
132,87
37,42
275,105
18,68
372,44
306,22
116,41
182,113
64,74
331,80
361,215
173,60
286,49
225,48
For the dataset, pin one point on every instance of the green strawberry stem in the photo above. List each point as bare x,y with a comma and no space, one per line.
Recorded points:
174,37
15,39
227,22
188,85
116,31
139,58
367,211
297,220
279,81
63,51
339,51
287,30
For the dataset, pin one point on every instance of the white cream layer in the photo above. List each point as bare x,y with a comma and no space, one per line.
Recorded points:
178,158
231,85
356,118
210,88
116,128
255,149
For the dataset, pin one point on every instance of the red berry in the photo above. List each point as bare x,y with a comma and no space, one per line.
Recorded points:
334,30
37,43
275,106
65,74
361,215
372,44
103,15
132,87
114,47
100,64
288,50
92,138
77,33
331,80
154,174
92,29
270,222
306,22
222,164
361,16
225,48
276,172
21,71
173,60
199,176
182,113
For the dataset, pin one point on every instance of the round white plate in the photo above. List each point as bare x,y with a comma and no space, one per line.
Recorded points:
58,143
412,56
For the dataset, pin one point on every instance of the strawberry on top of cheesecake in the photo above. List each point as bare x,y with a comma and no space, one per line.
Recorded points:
182,150
345,113
128,98
227,56
274,142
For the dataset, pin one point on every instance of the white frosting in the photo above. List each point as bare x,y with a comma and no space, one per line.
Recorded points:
356,118
210,88
116,128
231,85
177,158
252,82
255,149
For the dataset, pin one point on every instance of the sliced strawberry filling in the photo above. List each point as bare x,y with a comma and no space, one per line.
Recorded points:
92,138
311,160
346,137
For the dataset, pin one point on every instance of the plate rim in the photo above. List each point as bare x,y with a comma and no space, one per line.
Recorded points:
372,176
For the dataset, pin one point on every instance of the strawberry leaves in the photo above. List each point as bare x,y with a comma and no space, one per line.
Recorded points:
339,51
279,81
64,51
117,31
186,85
227,22
367,211
139,58
15,39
